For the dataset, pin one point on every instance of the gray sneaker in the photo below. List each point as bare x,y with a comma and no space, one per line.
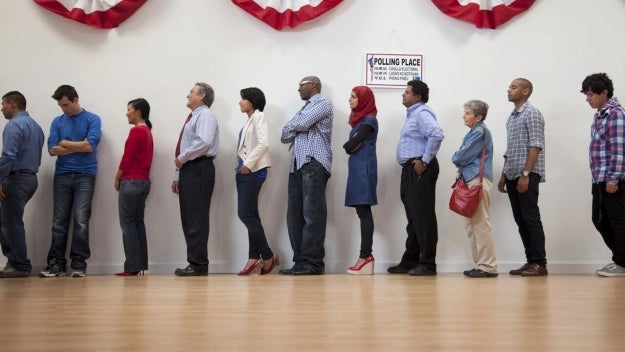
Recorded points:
53,270
78,273
611,270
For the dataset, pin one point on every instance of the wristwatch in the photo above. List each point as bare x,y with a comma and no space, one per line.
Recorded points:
526,173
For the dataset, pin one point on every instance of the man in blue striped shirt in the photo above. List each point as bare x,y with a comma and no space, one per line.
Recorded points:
607,165
419,142
22,143
309,132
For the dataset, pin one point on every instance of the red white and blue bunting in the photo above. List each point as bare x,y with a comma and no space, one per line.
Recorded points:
286,13
483,13
95,13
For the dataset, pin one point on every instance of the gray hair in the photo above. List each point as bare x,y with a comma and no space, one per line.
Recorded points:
204,88
479,108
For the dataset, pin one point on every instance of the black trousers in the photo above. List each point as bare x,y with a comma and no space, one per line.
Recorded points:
527,217
195,186
418,193
608,216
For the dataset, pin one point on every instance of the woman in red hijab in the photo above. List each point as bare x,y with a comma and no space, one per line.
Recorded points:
362,177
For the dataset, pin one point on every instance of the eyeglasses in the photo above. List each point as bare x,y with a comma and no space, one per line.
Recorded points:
304,82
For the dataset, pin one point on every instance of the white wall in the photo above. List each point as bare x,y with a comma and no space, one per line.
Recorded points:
164,48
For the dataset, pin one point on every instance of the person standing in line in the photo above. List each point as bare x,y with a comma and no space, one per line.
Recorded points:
74,138
607,166
194,178
419,142
22,142
468,160
309,133
251,171
523,170
362,178
132,181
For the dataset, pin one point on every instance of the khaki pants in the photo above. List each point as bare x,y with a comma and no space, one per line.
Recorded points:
480,231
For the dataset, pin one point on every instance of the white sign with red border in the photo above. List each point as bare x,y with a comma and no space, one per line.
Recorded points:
392,70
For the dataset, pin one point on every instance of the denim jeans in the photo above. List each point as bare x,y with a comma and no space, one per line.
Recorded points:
132,196
608,216
73,192
248,188
18,188
307,215
527,217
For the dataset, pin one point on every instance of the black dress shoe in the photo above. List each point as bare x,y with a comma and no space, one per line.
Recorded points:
422,270
286,271
190,271
306,271
399,269
479,273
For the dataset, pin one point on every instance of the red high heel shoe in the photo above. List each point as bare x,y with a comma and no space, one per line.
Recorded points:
275,261
252,267
365,268
129,273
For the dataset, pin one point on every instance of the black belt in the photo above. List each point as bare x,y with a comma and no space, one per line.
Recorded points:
409,162
200,158
19,172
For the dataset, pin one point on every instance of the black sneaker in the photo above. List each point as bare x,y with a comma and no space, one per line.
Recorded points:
52,270
9,271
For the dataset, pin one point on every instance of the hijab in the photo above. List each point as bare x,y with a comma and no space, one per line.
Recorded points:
366,105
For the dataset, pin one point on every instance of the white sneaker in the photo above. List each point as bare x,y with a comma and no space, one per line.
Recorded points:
78,273
611,270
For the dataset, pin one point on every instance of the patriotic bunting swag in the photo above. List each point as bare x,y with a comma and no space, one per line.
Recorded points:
286,13
95,13
484,13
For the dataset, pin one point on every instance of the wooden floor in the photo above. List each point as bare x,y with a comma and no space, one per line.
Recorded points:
315,313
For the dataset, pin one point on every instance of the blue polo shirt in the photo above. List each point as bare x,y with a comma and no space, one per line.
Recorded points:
22,142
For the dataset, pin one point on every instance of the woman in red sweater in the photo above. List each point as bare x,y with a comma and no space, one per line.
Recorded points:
133,183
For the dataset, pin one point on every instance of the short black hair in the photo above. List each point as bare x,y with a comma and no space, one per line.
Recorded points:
65,91
254,96
420,88
597,83
17,98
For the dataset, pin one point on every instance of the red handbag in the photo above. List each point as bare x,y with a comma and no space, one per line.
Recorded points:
465,200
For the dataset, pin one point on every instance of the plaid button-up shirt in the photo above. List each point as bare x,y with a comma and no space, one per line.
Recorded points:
607,143
525,129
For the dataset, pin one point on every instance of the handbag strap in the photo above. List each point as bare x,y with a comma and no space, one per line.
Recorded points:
483,156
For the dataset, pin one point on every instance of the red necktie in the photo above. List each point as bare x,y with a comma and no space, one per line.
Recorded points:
180,137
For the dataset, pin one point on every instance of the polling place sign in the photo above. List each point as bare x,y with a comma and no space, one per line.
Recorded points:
392,70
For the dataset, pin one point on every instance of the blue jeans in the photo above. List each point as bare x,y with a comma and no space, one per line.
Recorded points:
132,196
307,214
18,188
73,192
248,188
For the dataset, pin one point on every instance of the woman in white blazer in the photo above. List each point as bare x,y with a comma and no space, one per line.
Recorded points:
251,171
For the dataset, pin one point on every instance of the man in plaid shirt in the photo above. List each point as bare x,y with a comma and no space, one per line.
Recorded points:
523,170
309,133
607,165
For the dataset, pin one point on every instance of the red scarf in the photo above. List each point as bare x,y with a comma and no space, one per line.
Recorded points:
366,105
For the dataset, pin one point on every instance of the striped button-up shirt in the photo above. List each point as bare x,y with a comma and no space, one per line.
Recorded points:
421,136
607,143
310,131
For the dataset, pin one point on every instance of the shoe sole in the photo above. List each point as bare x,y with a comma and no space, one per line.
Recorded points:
606,274
51,275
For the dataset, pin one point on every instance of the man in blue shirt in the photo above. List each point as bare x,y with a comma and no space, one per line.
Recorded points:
419,142
309,132
22,142
194,178
74,137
